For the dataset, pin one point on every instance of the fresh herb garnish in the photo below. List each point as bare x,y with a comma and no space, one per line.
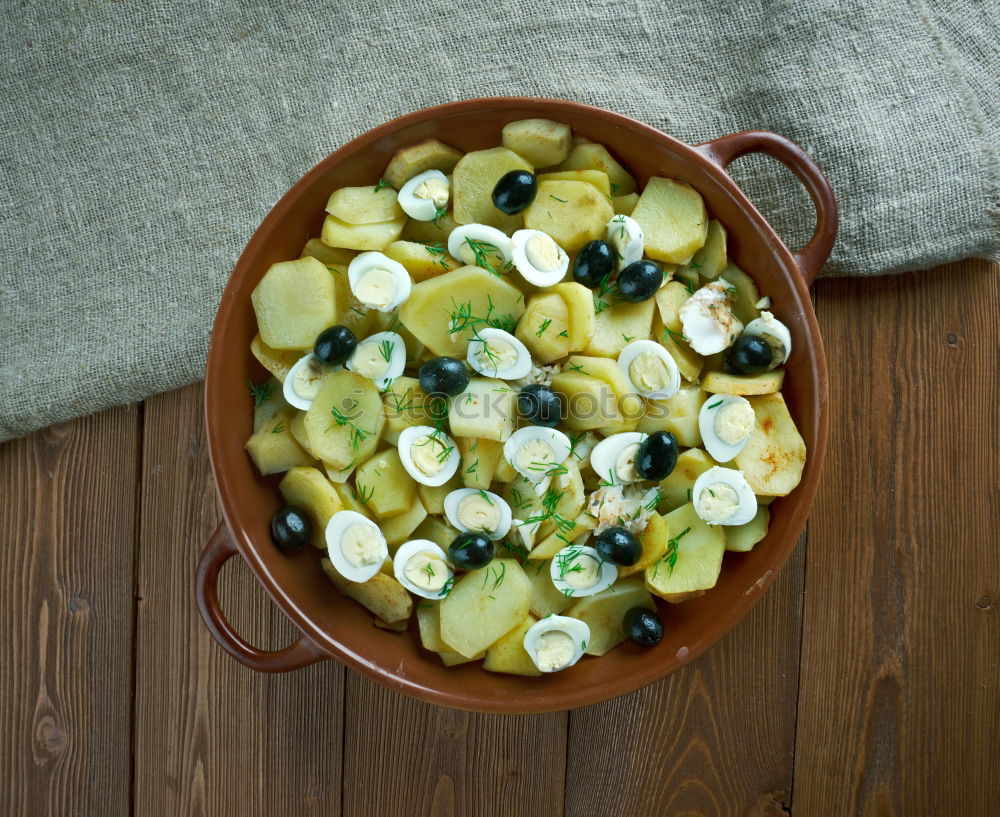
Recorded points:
278,428
260,393
380,184
385,348
543,326
439,214
485,496
480,249
557,198
669,558
716,404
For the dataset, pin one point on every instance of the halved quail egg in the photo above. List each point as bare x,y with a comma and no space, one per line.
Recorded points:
579,570
556,642
380,357
649,369
775,333
378,281
708,320
722,496
538,258
726,422
478,511
422,568
425,195
356,546
496,353
626,239
535,451
479,245
428,455
613,458
303,381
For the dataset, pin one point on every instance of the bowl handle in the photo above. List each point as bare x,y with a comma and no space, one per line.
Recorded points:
300,653
812,256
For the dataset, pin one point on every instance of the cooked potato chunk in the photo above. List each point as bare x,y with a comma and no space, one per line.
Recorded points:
419,157
430,232
654,544
541,141
345,419
330,256
693,558
268,402
432,496
398,529
775,454
673,219
294,302
429,624
375,236
546,598
463,300
624,205
479,461
676,487
618,324
487,410
744,384
742,538
352,502
476,174
747,294
388,488
596,157
507,654
364,205
604,613
484,605
572,212
381,594
598,178
544,327
580,313
277,361
710,260
590,403
437,530
273,448
307,488
422,261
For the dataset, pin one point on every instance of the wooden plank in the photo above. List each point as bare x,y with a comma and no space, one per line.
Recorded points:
66,595
212,737
713,738
899,711
405,758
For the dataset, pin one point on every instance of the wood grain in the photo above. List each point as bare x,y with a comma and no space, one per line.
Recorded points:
211,736
714,738
66,595
447,763
899,709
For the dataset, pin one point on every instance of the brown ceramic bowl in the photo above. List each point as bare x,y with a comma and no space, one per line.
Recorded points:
333,626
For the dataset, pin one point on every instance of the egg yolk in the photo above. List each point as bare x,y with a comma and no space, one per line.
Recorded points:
496,355
582,572
434,189
376,288
308,378
535,457
542,252
625,464
734,422
648,372
360,545
477,512
429,454
718,502
554,650
369,361
427,571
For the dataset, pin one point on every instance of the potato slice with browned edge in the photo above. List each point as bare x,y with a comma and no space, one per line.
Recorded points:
484,605
743,384
412,160
278,362
541,141
775,454
364,205
345,419
381,594
596,157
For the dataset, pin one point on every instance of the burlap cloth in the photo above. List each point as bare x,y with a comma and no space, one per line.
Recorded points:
142,142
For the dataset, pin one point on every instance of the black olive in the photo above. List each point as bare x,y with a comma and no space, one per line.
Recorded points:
515,191
657,455
539,405
619,545
639,281
335,345
470,551
444,377
594,263
642,627
749,354
291,529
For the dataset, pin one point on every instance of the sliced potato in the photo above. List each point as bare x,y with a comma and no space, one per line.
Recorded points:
336,475
270,402
350,311
676,487
541,141
412,160
572,212
430,232
544,327
453,659
307,488
546,599
476,174
352,502
617,324
743,384
596,157
589,402
507,653
484,605
429,624
329,256
381,594
277,361
710,260
775,454
555,541
395,627
742,538
364,205
580,314
405,404
505,471
604,613
385,484
598,178
747,294
673,219
624,205
654,544
464,300
486,410
693,558
432,496
294,302
398,529
437,530
479,461
375,236
422,261
345,419
273,448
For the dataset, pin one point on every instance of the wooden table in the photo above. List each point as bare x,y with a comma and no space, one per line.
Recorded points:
865,682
